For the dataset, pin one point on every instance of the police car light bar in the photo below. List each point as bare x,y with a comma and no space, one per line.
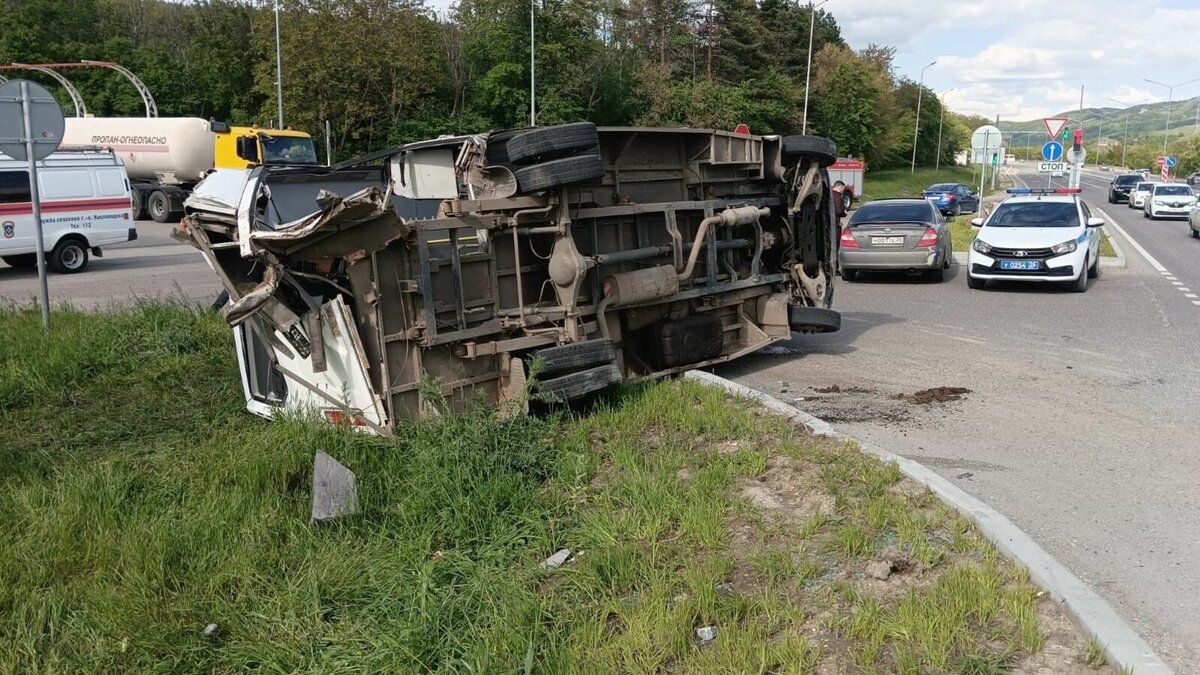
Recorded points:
1044,191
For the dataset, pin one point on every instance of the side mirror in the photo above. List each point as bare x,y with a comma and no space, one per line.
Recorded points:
977,223
1095,222
247,148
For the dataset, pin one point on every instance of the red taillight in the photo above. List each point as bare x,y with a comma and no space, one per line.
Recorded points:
949,196
930,238
345,419
848,240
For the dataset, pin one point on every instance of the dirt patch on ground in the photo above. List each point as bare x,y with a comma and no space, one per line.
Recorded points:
934,395
1064,644
790,489
838,389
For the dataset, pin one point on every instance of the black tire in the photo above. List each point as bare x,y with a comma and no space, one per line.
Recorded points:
221,301
848,274
936,276
1080,283
159,206
1111,198
847,200
23,261
817,147
559,172
1195,233
139,209
814,319
1094,270
1147,214
541,145
976,284
578,385
69,256
574,357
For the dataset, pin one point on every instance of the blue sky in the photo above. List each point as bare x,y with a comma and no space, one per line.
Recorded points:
1024,59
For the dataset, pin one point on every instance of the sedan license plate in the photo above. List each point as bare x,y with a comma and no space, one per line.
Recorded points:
1020,265
887,241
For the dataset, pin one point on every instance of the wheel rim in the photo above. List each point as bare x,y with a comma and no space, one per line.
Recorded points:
158,208
72,257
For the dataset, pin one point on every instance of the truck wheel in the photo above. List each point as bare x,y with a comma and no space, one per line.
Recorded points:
814,319
819,148
575,356
139,209
540,145
22,262
159,206
69,256
552,174
847,199
578,385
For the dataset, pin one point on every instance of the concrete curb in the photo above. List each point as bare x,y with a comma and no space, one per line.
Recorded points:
1091,613
1121,259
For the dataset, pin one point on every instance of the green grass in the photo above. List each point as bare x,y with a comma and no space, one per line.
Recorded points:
902,183
1093,655
139,503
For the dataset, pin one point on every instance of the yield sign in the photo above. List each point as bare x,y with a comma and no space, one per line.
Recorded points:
1054,125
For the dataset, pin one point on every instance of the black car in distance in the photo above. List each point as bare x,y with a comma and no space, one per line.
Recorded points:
1119,188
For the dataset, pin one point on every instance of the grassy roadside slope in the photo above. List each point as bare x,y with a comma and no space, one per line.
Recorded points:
138,503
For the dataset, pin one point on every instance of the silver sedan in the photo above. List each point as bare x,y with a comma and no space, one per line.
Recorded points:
898,235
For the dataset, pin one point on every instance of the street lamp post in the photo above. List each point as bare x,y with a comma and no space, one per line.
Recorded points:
1170,99
937,163
812,24
278,67
917,125
1125,137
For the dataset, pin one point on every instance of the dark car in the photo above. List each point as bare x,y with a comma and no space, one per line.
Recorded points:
1193,182
1119,188
952,198
907,235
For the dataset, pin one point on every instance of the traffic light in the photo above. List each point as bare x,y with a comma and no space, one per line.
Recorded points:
1066,135
1078,139
995,159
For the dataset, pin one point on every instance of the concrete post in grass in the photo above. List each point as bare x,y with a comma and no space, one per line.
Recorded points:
334,492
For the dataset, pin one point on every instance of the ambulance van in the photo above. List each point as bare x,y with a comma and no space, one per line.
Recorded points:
85,206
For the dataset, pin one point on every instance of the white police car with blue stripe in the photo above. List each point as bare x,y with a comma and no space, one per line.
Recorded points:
1041,235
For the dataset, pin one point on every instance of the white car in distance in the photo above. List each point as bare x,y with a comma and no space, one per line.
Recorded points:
1168,200
1039,235
1137,196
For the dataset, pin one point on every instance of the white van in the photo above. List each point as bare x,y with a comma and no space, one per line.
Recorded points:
85,205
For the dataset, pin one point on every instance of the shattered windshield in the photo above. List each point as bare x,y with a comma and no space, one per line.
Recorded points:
288,150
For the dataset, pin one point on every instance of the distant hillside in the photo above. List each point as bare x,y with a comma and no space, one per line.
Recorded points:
1146,122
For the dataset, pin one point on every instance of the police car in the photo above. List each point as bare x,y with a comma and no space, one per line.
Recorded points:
1042,235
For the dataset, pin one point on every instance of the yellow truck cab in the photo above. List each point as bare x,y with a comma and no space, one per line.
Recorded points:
246,147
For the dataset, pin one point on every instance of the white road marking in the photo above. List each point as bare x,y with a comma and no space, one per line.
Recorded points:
1196,302
1138,247
1189,295
1176,283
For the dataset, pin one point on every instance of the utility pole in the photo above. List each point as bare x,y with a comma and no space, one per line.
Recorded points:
812,24
917,125
937,163
532,69
278,67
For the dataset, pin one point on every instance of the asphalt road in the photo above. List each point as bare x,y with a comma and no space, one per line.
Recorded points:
154,266
1080,422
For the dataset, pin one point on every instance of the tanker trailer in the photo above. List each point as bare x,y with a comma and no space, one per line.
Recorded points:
166,156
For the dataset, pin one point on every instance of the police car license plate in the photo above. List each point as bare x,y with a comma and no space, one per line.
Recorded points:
1020,265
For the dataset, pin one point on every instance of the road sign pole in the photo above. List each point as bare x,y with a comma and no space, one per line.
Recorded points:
44,295
983,165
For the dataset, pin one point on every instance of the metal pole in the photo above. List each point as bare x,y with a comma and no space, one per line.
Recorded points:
917,125
328,146
44,286
1125,140
937,163
1167,129
1099,145
278,67
812,24
987,136
532,69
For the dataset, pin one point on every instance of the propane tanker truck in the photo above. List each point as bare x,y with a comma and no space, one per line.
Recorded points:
166,156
